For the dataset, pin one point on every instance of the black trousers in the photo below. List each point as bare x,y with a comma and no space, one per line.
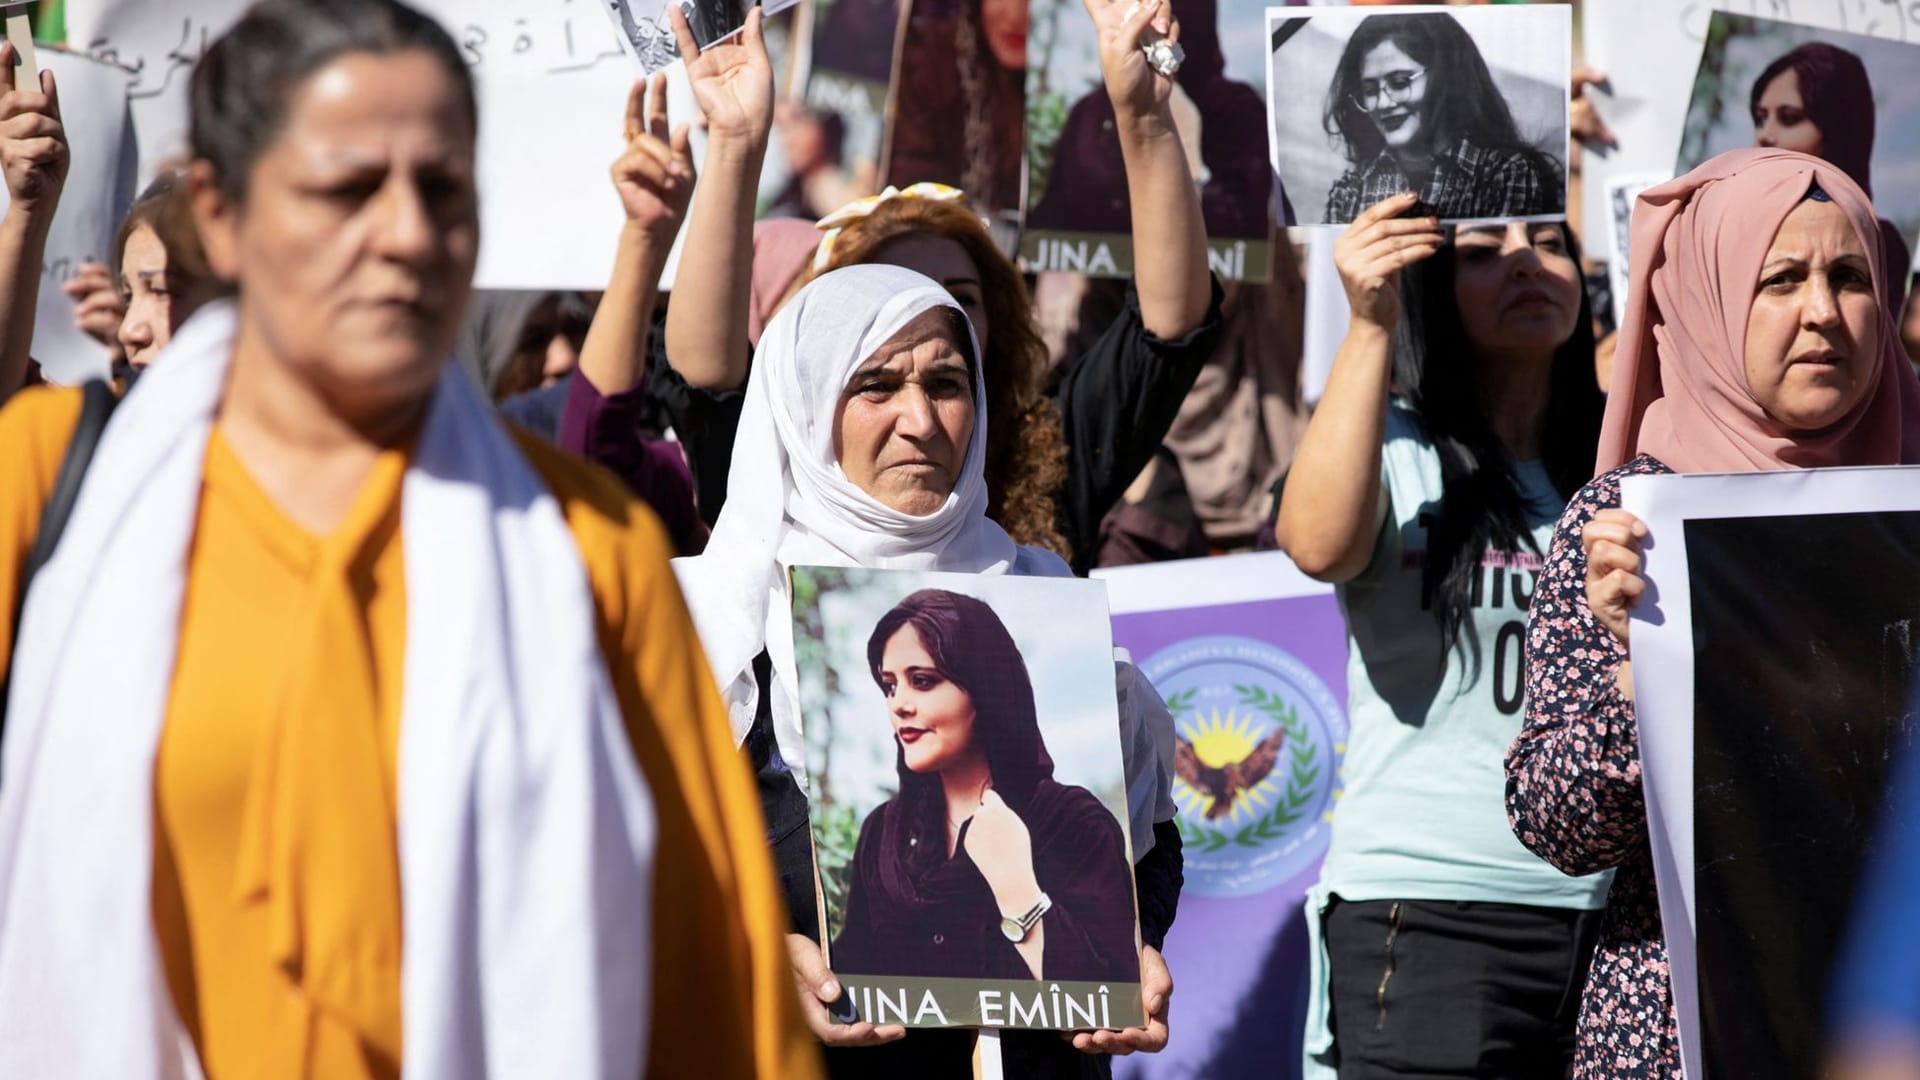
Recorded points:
1430,989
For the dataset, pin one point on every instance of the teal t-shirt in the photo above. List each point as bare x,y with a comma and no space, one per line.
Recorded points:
1421,814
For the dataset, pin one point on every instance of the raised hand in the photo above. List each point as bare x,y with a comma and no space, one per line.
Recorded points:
1137,90
999,844
33,143
732,79
1612,543
654,176
1373,251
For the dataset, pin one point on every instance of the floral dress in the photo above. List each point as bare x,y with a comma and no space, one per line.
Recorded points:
1574,798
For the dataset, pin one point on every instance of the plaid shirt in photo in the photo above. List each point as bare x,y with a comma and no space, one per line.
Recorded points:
1467,182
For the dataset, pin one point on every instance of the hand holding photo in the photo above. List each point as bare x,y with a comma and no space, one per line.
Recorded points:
649,38
968,798
1467,107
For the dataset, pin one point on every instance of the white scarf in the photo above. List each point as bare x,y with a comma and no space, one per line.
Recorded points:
789,504
526,832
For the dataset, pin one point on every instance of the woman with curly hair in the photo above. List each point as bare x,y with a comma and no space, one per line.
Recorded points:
1066,455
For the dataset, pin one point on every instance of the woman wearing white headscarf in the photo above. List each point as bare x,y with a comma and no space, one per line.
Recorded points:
862,443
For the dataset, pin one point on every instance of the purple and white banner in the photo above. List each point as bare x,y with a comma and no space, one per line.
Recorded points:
1251,656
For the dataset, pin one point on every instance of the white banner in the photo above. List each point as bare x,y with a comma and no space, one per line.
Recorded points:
552,83
99,189
1808,571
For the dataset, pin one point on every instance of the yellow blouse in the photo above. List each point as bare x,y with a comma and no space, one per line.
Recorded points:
723,1004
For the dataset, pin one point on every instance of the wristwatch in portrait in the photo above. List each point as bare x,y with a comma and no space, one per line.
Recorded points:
1016,928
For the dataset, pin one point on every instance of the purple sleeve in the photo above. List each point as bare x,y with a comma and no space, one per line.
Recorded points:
605,429
1573,774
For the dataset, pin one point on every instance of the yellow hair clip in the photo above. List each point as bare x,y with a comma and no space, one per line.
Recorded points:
833,224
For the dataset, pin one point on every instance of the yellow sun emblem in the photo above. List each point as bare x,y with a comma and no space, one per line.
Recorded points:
1224,771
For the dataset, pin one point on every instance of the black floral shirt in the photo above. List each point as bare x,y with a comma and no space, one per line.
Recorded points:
1574,798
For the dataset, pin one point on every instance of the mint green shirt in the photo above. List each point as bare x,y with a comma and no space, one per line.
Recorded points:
1421,814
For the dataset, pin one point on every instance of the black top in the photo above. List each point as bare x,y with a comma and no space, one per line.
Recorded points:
949,925
1117,401
930,1054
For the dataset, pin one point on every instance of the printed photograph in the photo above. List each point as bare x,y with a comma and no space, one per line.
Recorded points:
646,30
968,797
1079,217
1850,99
1805,648
1467,106
960,102
831,137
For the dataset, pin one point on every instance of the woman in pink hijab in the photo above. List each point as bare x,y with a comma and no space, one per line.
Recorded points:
1754,339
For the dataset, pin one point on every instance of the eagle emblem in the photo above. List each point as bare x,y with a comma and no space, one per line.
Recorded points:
1221,783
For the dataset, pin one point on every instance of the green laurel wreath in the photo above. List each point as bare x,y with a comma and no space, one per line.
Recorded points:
1303,769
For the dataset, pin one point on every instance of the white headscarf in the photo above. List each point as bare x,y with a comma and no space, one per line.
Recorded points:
789,504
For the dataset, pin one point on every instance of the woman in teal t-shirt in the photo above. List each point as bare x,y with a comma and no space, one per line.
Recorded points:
1427,487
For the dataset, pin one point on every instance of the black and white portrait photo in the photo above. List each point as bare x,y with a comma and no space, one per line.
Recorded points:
1465,106
646,31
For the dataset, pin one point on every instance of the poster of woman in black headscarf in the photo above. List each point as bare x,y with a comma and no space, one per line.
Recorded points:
1467,106
1850,99
1079,216
968,798
960,101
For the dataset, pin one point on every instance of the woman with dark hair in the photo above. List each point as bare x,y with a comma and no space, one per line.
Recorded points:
1757,343
162,269
1426,488
862,443
980,833
1818,100
408,762
1416,109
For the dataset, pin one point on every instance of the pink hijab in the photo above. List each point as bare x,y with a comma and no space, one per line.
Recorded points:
782,248
1679,380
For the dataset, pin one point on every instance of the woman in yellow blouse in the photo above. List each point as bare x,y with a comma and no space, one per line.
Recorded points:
321,747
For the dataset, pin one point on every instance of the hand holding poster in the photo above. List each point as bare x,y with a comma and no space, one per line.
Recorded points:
968,797
1466,106
98,190
1772,658
647,35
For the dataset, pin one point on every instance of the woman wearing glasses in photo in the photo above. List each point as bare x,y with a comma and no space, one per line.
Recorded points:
1416,109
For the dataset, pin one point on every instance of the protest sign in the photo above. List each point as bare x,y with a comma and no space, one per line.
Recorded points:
912,685
552,84
1650,51
1851,99
99,188
833,135
959,114
1079,217
1354,93
1248,652
645,31
1772,656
